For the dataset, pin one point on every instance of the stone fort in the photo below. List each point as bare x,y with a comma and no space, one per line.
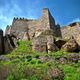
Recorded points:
28,27
42,32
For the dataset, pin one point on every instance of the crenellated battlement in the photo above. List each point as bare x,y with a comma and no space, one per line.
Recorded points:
23,19
16,18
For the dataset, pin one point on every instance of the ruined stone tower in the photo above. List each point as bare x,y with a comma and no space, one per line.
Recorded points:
20,26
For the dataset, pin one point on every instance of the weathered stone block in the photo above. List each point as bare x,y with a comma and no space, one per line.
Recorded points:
10,43
70,46
39,44
44,42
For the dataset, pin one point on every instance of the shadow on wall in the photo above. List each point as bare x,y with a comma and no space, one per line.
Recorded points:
58,31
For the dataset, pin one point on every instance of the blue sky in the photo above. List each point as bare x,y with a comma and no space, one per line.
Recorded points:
64,11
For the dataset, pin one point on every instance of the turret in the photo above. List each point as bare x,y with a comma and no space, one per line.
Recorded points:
48,20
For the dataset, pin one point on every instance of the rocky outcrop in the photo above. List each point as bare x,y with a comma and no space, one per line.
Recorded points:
1,42
10,43
7,43
72,30
39,44
51,47
44,42
70,46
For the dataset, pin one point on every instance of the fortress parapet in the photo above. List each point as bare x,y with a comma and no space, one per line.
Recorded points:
16,18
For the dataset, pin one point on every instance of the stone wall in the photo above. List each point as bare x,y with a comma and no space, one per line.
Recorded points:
58,31
40,31
20,25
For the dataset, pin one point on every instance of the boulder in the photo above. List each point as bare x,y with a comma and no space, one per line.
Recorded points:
70,46
10,43
46,58
4,58
39,44
63,60
51,47
56,74
44,42
73,57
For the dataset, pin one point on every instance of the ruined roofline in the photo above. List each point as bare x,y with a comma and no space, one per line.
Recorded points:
74,23
47,14
46,9
71,25
26,19
23,19
16,18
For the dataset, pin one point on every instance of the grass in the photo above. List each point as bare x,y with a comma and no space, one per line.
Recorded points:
25,64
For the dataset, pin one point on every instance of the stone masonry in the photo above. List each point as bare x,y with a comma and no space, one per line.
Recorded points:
20,26
43,32
40,31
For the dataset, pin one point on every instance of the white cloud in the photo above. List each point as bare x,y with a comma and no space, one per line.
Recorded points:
14,9
76,20
7,13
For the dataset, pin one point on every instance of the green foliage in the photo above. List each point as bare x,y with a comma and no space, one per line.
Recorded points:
24,46
10,77
71,72
25,64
